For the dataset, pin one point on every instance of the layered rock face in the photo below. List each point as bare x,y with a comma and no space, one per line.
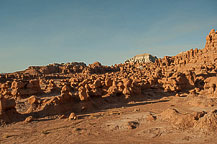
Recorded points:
70,87
143,58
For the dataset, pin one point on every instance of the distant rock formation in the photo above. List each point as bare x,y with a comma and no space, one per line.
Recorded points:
142,58
73,67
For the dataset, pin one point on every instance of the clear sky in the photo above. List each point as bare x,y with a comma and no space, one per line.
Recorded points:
39,32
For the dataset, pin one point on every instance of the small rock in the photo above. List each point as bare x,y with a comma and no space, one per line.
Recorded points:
133,124
32,100
45,132
28,119
150,117
136,110
72,116
177,95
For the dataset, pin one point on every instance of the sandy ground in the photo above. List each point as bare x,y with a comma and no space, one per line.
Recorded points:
118,123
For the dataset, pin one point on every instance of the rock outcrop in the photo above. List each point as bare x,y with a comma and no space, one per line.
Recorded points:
143,58
8,111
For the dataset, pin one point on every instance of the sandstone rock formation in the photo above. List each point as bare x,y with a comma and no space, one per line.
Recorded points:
143,58
25,88
59,88
8,111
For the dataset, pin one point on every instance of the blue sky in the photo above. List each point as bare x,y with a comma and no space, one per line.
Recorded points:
39,32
